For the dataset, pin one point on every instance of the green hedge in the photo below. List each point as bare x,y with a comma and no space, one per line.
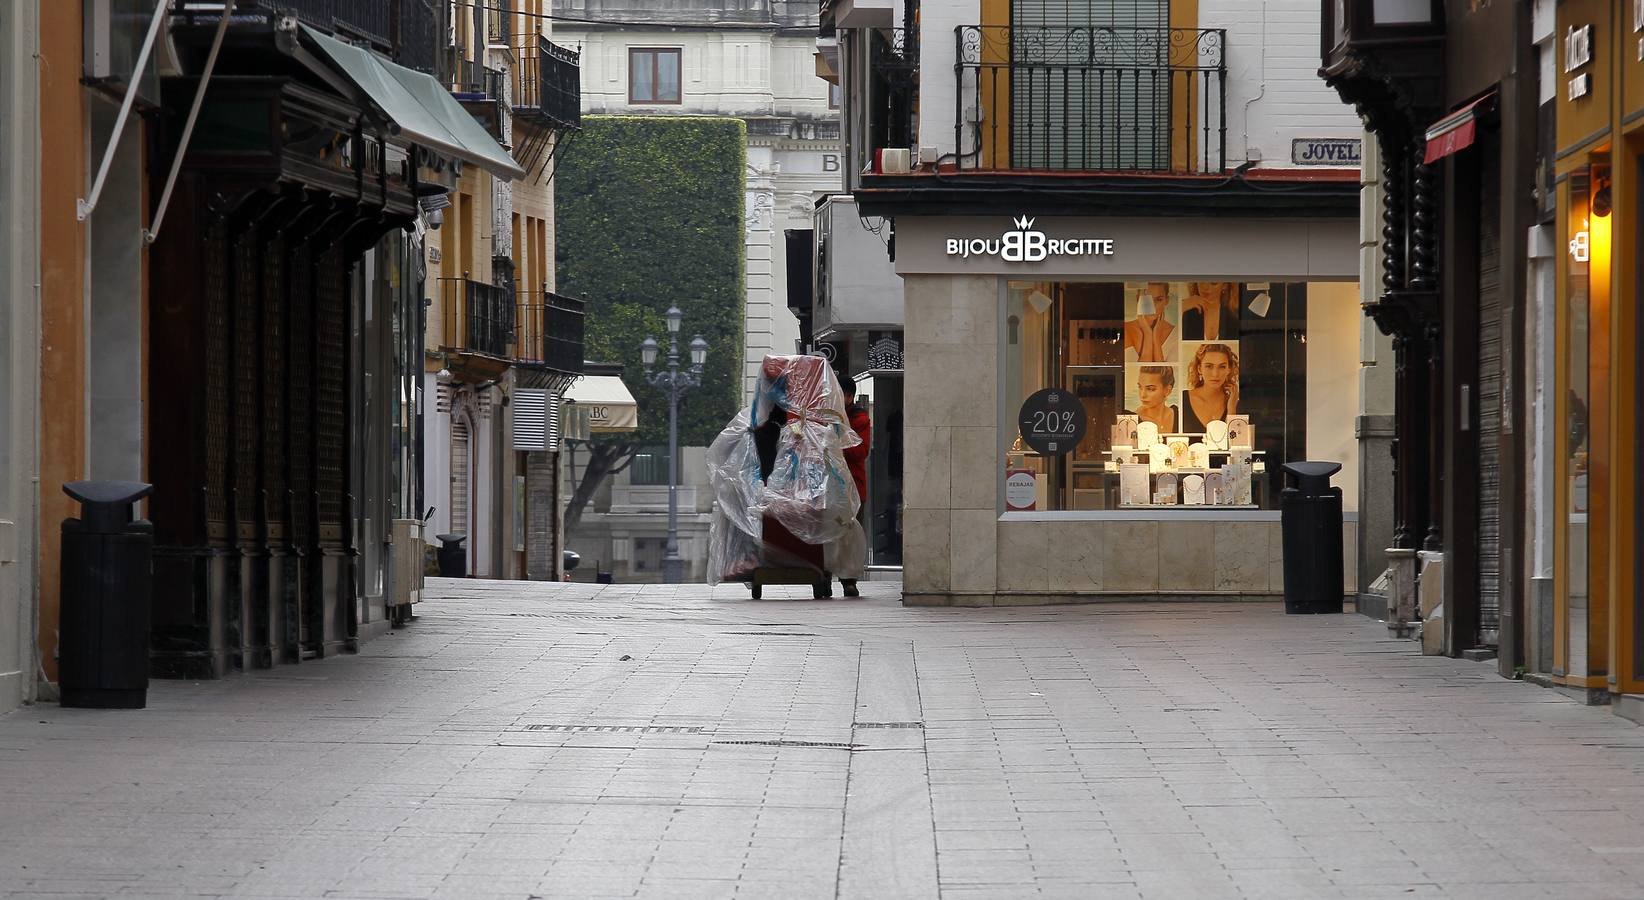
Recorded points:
649,214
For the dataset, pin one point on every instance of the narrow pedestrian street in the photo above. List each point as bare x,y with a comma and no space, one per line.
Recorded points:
536,740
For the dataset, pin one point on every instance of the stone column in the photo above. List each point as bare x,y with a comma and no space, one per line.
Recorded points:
951,438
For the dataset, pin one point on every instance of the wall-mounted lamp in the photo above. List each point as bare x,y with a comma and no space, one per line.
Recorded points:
1601,199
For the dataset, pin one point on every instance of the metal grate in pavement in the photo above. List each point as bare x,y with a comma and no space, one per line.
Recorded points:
1191,709
826,745
890,724
777,633
617,729
518,615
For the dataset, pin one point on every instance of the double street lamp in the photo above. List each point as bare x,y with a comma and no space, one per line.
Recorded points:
674,383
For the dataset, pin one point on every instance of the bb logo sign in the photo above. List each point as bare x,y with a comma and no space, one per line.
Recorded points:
1025,244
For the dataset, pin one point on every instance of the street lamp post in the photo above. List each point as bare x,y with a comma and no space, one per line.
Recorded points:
673,382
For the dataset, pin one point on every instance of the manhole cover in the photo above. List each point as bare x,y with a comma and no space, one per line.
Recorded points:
617,729
826,745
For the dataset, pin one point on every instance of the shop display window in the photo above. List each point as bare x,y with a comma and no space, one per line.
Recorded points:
1193,393
1587,269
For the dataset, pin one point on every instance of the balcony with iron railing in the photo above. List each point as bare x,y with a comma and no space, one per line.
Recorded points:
370,19
548,84
403,30
499,23
1091,99
477,317
893,60
480,88
550,330
529,326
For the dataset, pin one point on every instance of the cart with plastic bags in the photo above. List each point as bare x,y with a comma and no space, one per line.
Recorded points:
784,503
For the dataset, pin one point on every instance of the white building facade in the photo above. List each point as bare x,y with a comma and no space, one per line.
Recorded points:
750,60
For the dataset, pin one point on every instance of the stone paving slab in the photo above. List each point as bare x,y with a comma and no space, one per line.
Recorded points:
536,740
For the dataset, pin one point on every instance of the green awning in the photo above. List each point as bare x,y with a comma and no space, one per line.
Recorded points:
420,106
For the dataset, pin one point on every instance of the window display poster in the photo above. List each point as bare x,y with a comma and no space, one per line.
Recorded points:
1210,311
1153,394
1211,388
1152,331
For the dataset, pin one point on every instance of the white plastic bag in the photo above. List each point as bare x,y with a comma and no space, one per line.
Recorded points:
847,556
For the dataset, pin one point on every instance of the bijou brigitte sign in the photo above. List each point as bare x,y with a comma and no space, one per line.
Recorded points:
1024,244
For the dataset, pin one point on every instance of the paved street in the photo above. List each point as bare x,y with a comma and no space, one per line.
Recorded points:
531,740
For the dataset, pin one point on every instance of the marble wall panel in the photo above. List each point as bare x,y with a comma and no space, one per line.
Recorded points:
926,550
1130,561
974,550
1024,556
1187,556
926,456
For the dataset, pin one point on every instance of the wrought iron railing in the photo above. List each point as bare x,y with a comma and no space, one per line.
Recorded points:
472,80
417,38
371,19
549,83
1091,99
499,23
550,330
893,58
407,31
478,317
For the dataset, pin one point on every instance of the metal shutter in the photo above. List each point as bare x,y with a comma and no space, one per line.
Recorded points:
1082,98
460,459
536,419
1490,365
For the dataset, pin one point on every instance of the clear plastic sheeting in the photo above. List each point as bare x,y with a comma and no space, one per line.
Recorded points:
800,481
847,557
733,473
809,489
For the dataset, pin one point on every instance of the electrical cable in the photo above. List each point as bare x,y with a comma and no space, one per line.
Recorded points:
622,23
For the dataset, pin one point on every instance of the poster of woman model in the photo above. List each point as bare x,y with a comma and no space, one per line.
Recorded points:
1210,389
1152,315
1210,311
1153,394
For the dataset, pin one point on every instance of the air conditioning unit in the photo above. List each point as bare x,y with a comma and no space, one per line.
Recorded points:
893,161
112,39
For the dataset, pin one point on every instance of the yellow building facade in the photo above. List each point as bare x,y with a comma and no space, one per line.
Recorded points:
1598,174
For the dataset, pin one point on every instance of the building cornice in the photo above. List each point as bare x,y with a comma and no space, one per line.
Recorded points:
1311,195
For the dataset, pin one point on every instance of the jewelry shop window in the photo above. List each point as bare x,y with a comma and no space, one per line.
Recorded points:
1173,394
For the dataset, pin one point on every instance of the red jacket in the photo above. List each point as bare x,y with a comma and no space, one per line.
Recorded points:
856,458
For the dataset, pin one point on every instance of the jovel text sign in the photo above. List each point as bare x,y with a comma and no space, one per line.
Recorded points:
1326,152
1052,421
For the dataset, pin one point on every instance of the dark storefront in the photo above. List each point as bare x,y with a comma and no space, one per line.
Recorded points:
286,336
1454,117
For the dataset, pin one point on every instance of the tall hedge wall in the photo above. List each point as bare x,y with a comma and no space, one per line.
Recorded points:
649,214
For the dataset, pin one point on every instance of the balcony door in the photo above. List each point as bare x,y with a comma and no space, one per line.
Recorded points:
1090,85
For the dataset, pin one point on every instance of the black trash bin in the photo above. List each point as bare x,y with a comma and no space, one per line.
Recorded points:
1310,517
107,572
452,557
